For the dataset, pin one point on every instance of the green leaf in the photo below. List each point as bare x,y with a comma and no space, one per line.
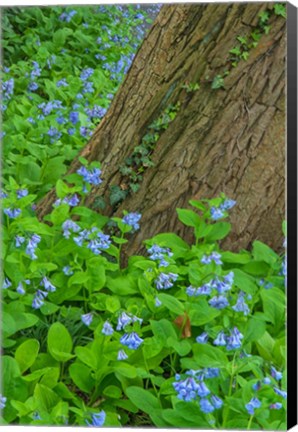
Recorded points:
262,252
113,304
274,305
244,282
256,268
81,376
201,313
143,399
87,356
238,258
59,342
113,392
62,189
122,285
26,354
173,241
171,303
189,217
163,330
79,278
219,231
45,398
60,214
209,356
255,329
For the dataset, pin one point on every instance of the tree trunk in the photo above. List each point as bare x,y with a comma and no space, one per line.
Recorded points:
229,139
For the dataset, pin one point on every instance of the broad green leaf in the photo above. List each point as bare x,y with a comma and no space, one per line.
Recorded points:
219,231
45,398
26,354
81,376
59,342
254,330
112,392
171,303
87,356
201,313
244,281
262,252
143,399
188,217
163,330
209,356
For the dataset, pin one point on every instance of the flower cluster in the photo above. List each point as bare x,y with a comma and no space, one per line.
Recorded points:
165,280
214,256
91,176
219,212
232,341
93,239
32,245
132,220
72,201
158,253
38,300
192,387
252,405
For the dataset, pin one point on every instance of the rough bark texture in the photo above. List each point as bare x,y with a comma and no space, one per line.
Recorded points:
229,140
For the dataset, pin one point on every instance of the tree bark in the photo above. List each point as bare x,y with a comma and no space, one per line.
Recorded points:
229,139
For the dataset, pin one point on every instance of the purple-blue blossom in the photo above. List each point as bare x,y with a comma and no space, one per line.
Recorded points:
219,302
234,340
203,338
165,280
227,204
32,245
74,117
91,176
22,193
97,419
122,355
216,213
19,240
131,340
276,406
38,300
280,392
86,73
6,283
12,212
107,329
132,220
275,374
252,405
220,339
214,256
87,318
69,227
206,406
3,401
48,286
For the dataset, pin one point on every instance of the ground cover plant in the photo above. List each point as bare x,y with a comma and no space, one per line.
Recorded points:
188,335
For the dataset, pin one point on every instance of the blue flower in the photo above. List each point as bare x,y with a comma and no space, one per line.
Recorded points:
202,389
38,300
257,386
206,406
86,73
32,245
214,256
67,270
6,283
74,117
216,402
252,405
158,253
281,393
3,401
216,213
241,306
186,389
276,405
165,281
275,374
211,372
12,213
220,339
22,193
227,204
267,380
20,289
48,286
219,302
91,176
132,220
33,86
97,419
7,88
19,240
131,340
107,329
96,112
68,227
62,83
87,318
157,302
71,131
203,338
123,321
122,355
234,341
191,291
204,290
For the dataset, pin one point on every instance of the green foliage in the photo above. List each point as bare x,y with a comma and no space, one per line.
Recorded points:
83,334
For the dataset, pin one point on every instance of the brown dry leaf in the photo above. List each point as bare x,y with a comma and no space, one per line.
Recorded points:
183,322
